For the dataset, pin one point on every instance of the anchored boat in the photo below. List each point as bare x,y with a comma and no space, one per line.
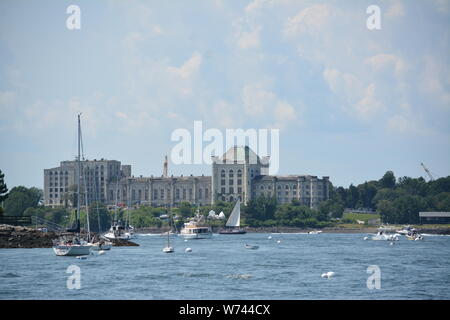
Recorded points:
233,223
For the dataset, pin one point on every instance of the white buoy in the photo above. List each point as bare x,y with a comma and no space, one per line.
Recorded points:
278,241
365,238
101,252
269,237
391,243
185,240
188,250
328,274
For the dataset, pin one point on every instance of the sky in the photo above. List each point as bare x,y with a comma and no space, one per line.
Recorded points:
350,103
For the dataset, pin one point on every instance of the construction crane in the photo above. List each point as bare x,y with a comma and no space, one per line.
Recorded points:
427,171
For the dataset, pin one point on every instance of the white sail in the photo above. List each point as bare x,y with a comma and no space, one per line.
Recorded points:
235,217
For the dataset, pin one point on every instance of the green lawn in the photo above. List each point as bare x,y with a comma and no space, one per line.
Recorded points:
360,216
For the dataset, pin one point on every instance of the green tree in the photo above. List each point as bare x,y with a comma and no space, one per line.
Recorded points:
20,198
388,180
3,187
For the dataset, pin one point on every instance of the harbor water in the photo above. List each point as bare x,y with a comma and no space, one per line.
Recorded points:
286,266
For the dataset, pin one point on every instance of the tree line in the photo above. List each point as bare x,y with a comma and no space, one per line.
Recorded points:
398,201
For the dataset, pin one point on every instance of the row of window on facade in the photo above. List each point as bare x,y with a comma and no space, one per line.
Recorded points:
161,194
223,173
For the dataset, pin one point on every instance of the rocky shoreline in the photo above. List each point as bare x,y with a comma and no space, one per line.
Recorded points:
24,237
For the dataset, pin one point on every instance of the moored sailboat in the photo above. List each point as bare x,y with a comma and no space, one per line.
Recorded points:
233,223
71,243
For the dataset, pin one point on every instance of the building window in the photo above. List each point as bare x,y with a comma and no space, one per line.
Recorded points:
239,182
231,174
206,193
222,173
133,194
231,190
140,194
155,194
239,190
184,194
177,194
239,173
146,194
222,182
262,187
279,188
223,190
200,193
190,194
162,194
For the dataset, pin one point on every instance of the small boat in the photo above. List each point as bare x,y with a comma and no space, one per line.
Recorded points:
195,230
315,232
101,245
251,247
414,235
233,224
168,248
386,234
117,231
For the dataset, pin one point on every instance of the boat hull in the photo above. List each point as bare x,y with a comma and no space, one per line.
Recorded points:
232,231
195,236
77,250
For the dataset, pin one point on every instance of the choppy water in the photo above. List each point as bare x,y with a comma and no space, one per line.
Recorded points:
221,268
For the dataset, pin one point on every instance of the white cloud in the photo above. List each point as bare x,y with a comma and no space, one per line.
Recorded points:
189,68
386,61
360,101
257,99
308,20
395,10
284,114
249,39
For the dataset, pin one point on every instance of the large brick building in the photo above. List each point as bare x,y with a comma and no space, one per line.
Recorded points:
238,174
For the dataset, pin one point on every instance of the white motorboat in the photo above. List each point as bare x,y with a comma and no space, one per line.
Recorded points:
386,234
315,232
117,231
414,235
192,230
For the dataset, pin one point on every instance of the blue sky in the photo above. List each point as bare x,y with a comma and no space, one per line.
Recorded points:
350,103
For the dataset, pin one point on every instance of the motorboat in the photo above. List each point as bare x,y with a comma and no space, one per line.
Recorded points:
251,247
117,231
414,235
315,232
386,234
192,230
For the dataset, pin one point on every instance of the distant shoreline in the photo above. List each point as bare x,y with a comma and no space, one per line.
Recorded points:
420,229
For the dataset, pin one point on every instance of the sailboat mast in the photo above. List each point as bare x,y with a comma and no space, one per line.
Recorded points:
79,171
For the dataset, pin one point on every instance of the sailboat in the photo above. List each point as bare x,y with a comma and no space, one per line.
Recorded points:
71,244
168,248
233,224
117,230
